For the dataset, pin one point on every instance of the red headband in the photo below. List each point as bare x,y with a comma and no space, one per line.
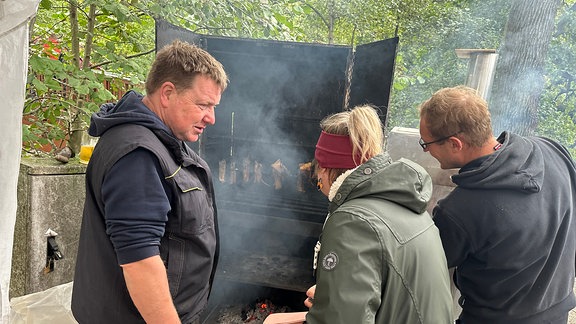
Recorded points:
335,152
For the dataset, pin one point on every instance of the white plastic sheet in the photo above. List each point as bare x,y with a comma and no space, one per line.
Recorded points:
48,306
14,18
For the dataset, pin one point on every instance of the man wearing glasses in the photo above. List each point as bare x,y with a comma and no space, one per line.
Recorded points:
509,227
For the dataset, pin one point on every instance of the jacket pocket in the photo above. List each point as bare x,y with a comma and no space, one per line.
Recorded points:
173,261
194,211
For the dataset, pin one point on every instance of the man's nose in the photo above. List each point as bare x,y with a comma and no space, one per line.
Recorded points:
210,117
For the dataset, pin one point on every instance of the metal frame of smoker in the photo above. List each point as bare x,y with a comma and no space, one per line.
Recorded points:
278,94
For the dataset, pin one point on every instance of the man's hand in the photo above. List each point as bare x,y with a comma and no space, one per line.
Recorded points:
310,293
147,284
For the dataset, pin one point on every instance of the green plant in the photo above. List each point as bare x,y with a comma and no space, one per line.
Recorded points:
87,52
60,101
82,54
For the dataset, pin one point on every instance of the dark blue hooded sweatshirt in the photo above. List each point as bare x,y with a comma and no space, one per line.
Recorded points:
509,228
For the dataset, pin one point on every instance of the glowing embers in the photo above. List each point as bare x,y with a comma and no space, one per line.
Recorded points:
254,313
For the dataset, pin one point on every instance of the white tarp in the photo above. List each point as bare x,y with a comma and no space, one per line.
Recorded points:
48,306
14,18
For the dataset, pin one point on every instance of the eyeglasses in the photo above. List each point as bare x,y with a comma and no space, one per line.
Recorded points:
425,144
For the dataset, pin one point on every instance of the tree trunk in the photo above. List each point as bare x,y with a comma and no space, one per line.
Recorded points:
74,33
89,37
519,78
75,127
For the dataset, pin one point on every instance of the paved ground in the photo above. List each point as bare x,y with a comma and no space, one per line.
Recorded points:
572,315
59,308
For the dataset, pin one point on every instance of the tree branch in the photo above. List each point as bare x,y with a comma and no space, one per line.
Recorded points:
318,13
127,57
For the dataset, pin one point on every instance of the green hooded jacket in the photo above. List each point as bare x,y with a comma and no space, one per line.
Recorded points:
381,258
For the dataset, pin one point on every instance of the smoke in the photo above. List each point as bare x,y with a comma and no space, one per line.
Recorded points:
267,124
428,59
260,149
266,127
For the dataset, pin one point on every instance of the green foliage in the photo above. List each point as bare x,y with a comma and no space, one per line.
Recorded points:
427,60
234,18
557,124
557,113
429,32
61,96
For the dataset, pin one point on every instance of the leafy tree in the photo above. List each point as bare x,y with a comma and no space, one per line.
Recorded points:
118,37
79,46
75,50
557,111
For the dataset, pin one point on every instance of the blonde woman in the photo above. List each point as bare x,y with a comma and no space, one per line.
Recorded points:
379,258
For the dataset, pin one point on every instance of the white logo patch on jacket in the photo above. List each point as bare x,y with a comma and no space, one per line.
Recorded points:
330,261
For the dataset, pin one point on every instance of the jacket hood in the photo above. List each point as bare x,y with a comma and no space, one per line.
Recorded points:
517,165
403,182
130,109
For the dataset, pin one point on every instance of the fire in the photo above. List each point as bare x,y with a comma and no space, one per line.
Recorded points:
253,313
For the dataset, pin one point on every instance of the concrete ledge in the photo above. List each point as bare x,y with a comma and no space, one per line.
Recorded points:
50,196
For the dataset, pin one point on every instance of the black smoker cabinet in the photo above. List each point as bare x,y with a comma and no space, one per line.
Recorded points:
267,124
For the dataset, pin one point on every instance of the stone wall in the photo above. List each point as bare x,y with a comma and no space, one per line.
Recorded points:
50,196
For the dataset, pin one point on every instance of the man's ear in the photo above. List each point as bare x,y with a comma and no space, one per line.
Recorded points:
166,91
456,144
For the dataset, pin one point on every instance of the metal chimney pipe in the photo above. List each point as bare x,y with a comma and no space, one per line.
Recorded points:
480,69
